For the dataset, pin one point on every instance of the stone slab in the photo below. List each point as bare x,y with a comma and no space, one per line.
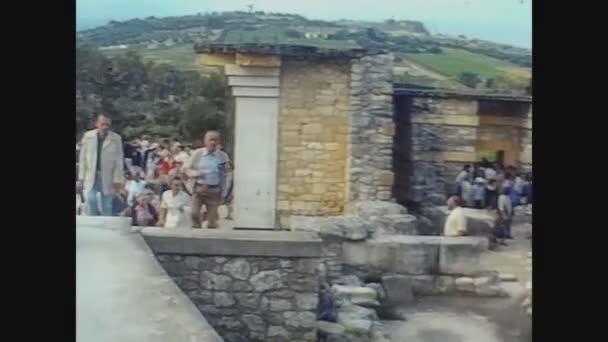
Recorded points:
253,81
416,255
235,70
233,242
394,253
107,222
398,289
461,255
255,92
123,294
360,295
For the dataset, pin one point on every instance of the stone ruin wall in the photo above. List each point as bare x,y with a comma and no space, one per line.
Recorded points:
250,298
336,135
249,285
436,137
370,173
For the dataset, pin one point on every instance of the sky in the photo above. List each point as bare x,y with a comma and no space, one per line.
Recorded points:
502,21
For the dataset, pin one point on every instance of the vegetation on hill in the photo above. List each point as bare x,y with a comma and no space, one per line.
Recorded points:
450,62
397,36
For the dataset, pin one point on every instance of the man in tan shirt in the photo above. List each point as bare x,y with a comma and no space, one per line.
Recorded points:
456,222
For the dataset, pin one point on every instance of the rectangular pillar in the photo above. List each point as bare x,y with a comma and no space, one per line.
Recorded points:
256,95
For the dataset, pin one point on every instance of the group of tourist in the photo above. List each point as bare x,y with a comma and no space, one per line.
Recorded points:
164,183
480,187
488,186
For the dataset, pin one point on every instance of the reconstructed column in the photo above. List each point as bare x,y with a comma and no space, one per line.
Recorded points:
256,92
254,83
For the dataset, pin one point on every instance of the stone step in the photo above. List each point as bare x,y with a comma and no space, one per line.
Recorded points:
507,277
395,224
359,295
330,328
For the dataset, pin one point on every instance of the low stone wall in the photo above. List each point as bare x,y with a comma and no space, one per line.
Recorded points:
382,239
249,285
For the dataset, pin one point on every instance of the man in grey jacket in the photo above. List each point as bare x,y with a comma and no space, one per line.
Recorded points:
210,167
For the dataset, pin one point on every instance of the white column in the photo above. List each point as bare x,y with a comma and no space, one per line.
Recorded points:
256,92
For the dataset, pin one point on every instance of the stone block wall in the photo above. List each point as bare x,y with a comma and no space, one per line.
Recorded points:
250,286
313,141
432,135
250,298
436,137
370,173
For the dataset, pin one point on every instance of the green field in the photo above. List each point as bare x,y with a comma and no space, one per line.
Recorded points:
181,56
452,62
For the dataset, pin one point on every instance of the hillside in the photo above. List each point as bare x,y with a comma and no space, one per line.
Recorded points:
422,58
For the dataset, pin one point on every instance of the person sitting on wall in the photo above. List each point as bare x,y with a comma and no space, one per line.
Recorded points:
456,222
143,212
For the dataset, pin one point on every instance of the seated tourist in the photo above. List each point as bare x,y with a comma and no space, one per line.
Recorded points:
143,212
174,207
456,222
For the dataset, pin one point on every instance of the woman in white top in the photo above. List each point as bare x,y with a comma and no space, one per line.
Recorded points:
174,207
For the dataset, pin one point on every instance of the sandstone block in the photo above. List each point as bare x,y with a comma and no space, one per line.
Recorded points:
465,284
367,209
400,254
355,294
461,255
398,288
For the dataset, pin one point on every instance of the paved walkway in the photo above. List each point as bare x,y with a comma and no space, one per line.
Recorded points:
123,294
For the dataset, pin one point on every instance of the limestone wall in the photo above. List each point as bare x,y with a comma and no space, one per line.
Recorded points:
250,286
313,141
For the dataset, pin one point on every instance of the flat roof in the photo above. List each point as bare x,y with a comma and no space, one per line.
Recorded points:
289,50
406,90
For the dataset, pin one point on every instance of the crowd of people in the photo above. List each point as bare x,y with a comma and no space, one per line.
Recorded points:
166,183
490,186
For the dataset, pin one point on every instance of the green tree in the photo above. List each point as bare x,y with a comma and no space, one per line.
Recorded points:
469,79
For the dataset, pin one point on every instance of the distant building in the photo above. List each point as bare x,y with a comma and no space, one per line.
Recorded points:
313,35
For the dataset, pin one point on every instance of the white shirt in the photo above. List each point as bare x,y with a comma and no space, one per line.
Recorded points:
504,205
182,156
519,184
455,223
490,173
176,218
461,176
